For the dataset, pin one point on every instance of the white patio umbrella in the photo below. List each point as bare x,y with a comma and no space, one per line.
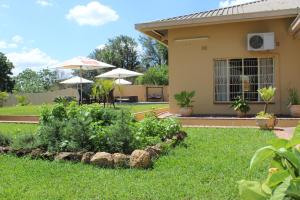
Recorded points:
83,63
76,80
121,81
119,73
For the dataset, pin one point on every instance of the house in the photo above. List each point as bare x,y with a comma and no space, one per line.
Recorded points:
232,51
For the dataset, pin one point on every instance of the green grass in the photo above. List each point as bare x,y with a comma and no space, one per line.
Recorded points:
17,129
36,109
209,168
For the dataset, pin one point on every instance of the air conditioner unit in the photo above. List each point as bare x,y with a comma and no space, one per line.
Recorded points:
261,41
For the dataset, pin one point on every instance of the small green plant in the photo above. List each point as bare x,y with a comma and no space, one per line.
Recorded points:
101,88
239,104
267,95
25,141
283,181
293,97
66,100
3,98
22,100
263,115
5,140
184,98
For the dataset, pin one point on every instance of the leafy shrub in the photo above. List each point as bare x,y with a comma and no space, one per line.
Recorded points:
25,141
241,105
283,181
184,98
5,140
293,97
92,128
22,100
170,127
153,130
64,100
50,134
3,98
119,137
156,75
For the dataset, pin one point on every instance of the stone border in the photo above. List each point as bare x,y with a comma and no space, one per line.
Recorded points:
139,159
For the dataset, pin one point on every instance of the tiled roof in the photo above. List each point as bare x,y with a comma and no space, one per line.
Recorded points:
252,7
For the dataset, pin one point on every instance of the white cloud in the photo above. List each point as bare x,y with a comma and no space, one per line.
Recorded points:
17,39
44,2
34,59
13,43
101,46
227,3
4,5
93,14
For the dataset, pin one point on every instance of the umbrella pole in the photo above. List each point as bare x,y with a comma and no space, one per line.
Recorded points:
80,84
120,90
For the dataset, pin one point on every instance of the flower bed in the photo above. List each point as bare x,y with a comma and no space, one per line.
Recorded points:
103,137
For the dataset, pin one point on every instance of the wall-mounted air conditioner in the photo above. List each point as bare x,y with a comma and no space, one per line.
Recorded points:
261,41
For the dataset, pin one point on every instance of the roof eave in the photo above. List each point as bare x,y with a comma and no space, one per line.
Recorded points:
295,27
163,25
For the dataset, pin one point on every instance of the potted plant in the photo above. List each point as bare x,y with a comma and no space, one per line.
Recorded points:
240,106
184,100
294,103
265,120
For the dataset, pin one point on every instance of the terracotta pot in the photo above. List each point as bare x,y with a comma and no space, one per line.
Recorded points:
185,111
241,114
295,110
266,123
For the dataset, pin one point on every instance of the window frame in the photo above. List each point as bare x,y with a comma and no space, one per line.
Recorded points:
227,60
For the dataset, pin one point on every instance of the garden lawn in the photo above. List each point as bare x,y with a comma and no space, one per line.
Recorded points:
209,168
36,109
17,129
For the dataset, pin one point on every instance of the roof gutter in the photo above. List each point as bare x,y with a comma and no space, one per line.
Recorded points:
163,25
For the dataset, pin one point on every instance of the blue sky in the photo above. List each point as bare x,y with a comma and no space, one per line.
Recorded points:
39,33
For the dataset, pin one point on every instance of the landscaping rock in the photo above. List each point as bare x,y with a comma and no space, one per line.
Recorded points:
180,136
121,160
154,151
48,155
103,159
140,159
86,157
68,156
22,152
5,149
36,153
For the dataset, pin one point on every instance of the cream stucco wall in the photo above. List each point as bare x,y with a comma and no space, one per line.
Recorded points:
191,62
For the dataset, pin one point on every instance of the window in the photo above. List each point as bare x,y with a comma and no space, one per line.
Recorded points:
242,77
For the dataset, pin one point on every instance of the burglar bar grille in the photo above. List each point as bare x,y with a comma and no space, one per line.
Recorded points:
242,77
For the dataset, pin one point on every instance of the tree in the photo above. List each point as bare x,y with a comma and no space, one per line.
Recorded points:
48,78
154,52
157,75
30,81
120,51
6,82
